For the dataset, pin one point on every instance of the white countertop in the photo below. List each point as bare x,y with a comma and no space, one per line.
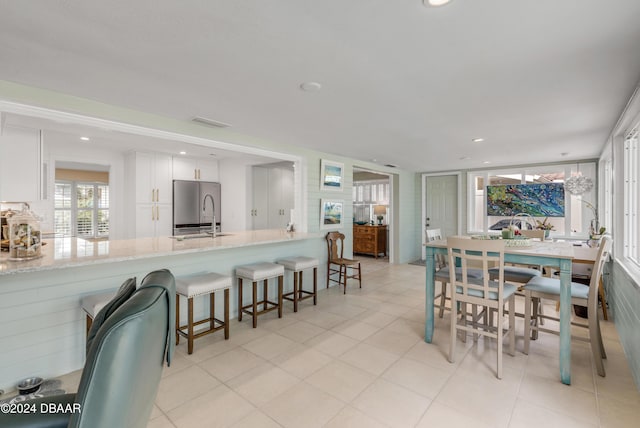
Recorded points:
62,253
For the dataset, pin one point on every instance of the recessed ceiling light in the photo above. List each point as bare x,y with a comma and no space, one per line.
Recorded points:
564,154
183,153
85,138
374,160
465,158
486,162
310,86
435,3
478,140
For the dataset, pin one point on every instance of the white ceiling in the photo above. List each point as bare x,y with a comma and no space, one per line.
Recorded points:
401,83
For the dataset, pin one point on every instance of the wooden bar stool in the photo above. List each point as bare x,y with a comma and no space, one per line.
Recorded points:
254,273
297,265
200,285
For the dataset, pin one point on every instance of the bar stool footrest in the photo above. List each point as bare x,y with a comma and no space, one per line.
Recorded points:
248,308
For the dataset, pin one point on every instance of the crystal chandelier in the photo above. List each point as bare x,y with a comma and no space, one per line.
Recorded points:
578,184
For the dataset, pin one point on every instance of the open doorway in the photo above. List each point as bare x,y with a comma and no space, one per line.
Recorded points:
372,215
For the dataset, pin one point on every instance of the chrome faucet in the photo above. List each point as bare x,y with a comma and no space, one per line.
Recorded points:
213,210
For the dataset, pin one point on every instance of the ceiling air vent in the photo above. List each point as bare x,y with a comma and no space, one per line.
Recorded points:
210,122
390,165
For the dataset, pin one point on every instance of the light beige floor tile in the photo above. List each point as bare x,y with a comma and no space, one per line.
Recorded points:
553,395
341,380
269,346
155,412
392,404
353,418
231,364
389,340
376,318
183,386
346,311
486,398
322,318
302,361
220,407
300,331
527,415
205,348
439,415
355,329
369,358
549,368
437,354
417,377
160,422
303,406
331,343
257,419
261,384
615,413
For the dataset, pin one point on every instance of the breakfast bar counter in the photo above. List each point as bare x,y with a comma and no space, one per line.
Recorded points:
43,328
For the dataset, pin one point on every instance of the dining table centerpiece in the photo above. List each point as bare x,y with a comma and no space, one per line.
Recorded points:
544,225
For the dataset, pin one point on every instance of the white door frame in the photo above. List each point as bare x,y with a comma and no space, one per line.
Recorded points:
458,174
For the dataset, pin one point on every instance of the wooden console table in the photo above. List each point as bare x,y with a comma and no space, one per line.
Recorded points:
370,240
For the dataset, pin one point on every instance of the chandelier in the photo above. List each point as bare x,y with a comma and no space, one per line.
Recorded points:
578,184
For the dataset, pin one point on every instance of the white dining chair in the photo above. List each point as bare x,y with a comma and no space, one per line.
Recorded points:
581,295
486,293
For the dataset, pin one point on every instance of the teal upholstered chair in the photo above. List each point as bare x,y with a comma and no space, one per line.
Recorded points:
124,364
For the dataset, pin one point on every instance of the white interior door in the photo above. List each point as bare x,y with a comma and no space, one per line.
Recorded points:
441,204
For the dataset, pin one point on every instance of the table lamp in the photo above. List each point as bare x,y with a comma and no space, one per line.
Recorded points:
380,211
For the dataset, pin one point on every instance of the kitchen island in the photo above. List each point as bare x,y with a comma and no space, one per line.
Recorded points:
43,328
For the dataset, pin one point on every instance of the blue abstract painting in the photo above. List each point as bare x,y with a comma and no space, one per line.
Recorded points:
538,200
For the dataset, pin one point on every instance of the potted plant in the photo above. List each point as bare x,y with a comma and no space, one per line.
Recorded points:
544,225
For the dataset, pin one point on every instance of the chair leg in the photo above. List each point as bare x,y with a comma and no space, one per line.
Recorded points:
190,325
536,303
265,293
89,321
453,338
226,313
499,326
239,299
512,326
212,310
280,287
443,298
596,343
315,285
295,291
328,272
254,304
343,267
177,318
360,275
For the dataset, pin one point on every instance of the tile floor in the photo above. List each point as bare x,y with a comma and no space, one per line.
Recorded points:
360,361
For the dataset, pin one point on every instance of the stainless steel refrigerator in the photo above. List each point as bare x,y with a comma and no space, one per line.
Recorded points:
193,209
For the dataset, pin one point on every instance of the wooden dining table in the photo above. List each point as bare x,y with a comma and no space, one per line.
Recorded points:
558,255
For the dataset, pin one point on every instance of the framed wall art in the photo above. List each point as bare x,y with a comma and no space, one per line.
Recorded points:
331,214
331,175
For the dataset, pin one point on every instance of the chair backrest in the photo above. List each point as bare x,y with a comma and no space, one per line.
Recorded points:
533,234
436,235
335,245
124,364
488,253
596,273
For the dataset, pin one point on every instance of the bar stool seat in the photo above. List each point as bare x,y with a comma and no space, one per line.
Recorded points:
259,272
201,285
297,265
92,304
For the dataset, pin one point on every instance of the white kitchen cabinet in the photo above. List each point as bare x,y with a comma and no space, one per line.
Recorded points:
195,169
153,195
20,164
272,197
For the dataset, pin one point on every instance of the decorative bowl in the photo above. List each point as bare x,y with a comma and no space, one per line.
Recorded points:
29,385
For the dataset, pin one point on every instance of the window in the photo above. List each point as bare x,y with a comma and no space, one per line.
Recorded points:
579,210
81,209
631,191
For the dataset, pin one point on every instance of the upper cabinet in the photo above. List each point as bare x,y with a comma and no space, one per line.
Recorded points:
150,174
20,164
195,169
